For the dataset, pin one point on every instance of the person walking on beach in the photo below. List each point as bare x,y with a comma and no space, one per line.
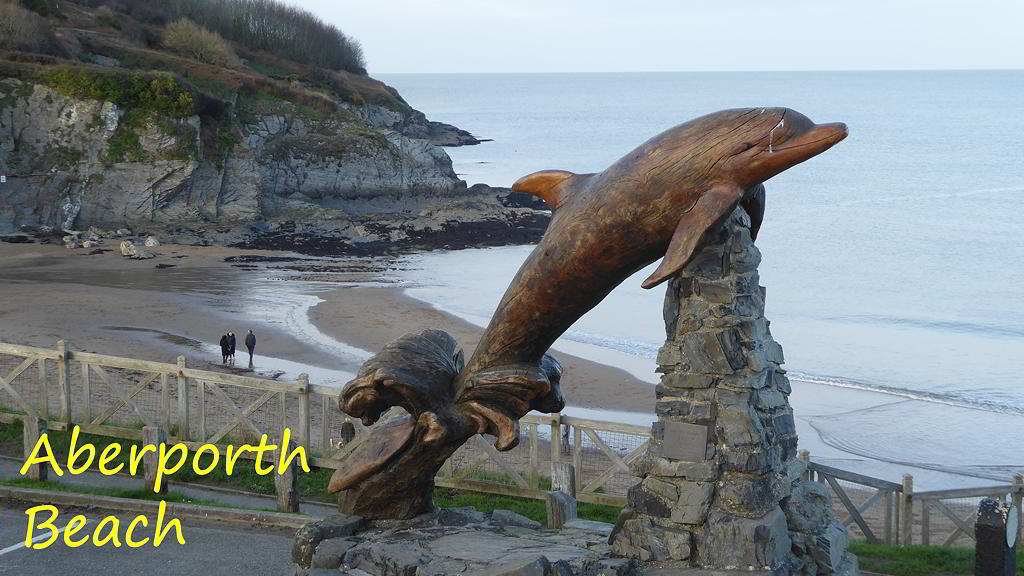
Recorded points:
250,344
231,346
225,348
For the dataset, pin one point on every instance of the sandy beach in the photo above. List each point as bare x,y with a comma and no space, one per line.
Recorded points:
320,316
325,316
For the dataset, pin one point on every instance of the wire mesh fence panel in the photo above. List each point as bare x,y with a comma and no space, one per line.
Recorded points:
122,398
949,521
236,415
22,384
943,522
871,509
604,462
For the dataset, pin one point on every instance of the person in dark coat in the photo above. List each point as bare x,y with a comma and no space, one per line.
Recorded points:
250,344
225,348
231,346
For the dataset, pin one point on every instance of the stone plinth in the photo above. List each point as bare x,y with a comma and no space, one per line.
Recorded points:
721,486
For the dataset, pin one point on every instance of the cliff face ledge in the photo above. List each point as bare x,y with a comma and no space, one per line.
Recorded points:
263,166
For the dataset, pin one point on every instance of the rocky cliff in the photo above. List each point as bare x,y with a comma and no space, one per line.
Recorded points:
266,166
110,132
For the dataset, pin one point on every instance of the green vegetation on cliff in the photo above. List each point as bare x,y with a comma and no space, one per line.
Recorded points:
157,93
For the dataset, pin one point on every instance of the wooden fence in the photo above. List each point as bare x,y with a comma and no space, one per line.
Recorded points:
883,512
116,397
600,453
113,396
876,512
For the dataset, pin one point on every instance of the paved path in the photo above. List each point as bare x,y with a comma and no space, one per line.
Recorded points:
208,549
9,470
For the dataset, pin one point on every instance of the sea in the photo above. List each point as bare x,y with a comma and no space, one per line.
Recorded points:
894,262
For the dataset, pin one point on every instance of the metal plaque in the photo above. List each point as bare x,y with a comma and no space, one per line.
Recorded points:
686,442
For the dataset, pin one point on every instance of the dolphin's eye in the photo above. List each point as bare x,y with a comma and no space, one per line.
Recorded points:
747,146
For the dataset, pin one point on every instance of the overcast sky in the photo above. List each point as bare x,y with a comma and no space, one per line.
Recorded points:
679,35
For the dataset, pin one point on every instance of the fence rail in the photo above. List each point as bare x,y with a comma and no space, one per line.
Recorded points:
114,396
872,505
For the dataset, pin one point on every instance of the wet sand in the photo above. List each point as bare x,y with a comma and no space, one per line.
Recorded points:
108,304
370,317
307,315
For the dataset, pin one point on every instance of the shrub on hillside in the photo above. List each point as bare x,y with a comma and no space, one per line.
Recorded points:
21,29
189,39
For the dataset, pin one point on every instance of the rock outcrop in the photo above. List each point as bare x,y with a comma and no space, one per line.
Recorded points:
260,172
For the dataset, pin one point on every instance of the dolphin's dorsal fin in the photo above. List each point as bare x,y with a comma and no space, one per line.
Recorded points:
548,185
710,210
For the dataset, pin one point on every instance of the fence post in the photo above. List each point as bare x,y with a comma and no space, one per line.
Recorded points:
201,407
560,508
534,474
286,484
897,522
926,523
303,383
563,478
64,381
887,501
348,431
577,453
32,429
1016,498
153,436
805,455
86,391
325,428
556,436
907,512
183,401
165,402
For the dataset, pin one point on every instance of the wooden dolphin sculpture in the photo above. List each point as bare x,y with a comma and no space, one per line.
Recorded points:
659,201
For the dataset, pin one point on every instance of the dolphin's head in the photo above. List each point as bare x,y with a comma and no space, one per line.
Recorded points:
770,140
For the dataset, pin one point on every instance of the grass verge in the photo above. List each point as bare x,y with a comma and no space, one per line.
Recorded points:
919,560
135,494
312,485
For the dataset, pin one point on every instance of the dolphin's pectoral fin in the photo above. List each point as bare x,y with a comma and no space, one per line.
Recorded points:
496,398
548,185
753,204
710,210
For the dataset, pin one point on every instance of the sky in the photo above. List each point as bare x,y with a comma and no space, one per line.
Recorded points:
432,36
